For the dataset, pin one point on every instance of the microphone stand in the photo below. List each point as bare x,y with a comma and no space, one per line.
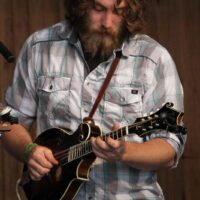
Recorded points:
6,53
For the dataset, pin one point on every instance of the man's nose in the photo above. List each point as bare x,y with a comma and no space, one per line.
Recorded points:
107,20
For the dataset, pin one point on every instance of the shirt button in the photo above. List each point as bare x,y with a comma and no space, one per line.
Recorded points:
51,87
122,99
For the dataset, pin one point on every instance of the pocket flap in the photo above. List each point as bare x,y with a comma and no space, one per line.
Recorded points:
123,95
52,84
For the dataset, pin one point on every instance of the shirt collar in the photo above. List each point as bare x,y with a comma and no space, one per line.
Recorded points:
68,33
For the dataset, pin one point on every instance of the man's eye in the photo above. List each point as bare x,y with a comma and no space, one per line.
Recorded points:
98,8
120,11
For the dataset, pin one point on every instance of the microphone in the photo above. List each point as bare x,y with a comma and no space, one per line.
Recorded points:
6,53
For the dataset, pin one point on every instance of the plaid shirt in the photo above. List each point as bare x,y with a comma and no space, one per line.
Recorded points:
53,84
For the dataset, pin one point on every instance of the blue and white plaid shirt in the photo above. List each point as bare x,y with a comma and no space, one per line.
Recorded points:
52,83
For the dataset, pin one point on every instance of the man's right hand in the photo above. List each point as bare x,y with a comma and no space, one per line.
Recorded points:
40,160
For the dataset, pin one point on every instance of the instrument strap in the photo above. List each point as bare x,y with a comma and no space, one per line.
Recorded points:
105,83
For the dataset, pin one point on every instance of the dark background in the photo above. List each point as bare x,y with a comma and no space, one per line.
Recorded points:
174,23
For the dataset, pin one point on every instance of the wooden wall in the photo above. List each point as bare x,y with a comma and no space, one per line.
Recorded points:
174,23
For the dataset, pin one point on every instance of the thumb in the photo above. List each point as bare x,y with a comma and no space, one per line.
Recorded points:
49,156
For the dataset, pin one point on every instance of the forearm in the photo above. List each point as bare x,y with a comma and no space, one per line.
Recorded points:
150,155
16,140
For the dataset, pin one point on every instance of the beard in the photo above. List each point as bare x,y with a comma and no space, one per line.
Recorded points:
100,43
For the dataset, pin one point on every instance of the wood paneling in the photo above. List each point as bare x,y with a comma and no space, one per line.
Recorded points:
174,23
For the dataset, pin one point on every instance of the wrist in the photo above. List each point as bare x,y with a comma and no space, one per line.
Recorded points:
27,150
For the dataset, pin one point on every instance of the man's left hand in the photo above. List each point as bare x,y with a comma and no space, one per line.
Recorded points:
110,150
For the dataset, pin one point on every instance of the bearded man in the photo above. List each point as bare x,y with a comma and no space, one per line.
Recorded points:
57,79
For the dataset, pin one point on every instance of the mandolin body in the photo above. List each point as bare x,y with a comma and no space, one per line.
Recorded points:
64,180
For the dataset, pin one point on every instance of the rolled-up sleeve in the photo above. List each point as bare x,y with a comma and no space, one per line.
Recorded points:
166,87
21,95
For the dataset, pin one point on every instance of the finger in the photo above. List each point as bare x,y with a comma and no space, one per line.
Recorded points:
49,156
32,164
105,152
44,157
101,145
42,161
38,155
97,149
106,155
115,127
118,147
114,144
34,174
100,154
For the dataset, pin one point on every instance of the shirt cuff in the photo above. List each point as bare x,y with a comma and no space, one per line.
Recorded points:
22,118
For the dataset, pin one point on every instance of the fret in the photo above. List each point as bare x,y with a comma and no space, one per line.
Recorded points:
79,151
73,153
127,130
85,147
70,157
121,133
117,135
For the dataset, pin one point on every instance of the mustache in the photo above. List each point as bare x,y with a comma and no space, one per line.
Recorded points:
104,33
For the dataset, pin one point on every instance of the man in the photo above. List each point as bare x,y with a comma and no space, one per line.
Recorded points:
58,76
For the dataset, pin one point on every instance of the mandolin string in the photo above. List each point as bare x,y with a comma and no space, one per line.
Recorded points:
65,153
74,156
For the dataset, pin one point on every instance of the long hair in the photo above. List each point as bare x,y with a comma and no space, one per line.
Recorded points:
133,14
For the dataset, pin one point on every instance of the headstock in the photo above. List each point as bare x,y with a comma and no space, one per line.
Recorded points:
165,118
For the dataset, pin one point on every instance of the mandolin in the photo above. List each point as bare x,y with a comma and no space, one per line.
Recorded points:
75,156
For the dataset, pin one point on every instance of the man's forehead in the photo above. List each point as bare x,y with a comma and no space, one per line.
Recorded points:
117,3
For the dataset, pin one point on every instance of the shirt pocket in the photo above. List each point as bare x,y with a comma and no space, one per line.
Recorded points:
53,93
123,104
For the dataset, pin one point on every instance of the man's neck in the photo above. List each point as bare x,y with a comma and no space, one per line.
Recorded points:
93,62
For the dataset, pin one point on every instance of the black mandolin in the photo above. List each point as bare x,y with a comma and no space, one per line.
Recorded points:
75,156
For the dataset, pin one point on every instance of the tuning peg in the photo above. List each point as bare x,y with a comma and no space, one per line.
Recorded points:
145,115
156,116
5,111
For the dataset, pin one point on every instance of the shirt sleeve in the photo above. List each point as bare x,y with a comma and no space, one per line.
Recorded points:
166,87
21,95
